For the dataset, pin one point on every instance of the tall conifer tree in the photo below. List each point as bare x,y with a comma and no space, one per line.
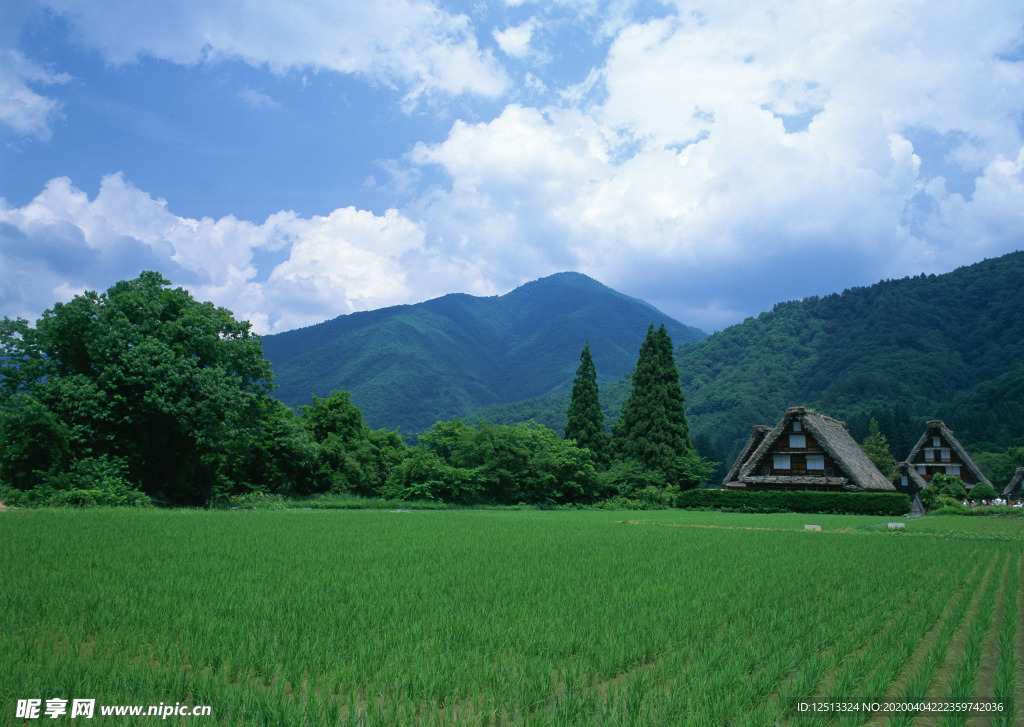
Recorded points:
585,421
876,447
652,428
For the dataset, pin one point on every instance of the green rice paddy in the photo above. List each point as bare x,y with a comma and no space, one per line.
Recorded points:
512,617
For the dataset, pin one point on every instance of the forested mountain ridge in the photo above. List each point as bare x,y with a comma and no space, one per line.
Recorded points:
907,346
903,351
410,366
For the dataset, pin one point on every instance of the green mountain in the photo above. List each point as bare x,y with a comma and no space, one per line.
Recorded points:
410,366
902,351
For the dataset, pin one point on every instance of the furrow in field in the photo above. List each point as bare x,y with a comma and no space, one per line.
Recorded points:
914,682
802,681
955,669
1005,677
841,684
1013,681
987,673
930,650
891,663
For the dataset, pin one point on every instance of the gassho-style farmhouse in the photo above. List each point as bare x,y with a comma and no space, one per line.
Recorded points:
811,451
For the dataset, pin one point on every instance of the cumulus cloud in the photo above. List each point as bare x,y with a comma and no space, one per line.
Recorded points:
744,154
408,43
21,108
63,243
515,40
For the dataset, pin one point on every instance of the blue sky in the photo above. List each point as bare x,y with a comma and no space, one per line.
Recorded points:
296,161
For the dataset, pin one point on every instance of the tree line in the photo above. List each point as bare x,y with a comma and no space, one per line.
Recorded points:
142,394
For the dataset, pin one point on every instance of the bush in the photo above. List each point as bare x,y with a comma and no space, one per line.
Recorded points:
982,491
88,482
766,501
942,485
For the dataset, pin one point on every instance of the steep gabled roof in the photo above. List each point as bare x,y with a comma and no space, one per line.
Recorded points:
831,434
954,444
1015,483
756,437
906,468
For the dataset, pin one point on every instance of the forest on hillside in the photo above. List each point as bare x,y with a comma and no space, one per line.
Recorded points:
902,351
143,395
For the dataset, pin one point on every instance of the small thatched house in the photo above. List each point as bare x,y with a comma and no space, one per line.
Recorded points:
1015,490
805,451
938,451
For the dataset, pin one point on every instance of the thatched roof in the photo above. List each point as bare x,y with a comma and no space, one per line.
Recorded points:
936,427
905,468
756,437
858,471
1014,488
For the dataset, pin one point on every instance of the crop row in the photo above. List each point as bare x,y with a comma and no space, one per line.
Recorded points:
495,617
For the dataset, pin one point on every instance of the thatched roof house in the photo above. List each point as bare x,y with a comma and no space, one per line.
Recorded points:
1015,490
756,437
938,451
805,451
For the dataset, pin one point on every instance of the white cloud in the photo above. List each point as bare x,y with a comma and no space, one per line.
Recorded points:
257,99
515,40
349,260
683,183
409,43
21,108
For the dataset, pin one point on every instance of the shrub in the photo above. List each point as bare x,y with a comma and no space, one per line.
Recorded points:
982,491
851,503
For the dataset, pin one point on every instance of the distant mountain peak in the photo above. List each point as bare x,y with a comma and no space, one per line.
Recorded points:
412,365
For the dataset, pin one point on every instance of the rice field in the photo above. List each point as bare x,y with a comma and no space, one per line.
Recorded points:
513,618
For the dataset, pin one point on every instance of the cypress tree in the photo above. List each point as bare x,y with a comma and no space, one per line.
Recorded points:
877,449
652,428
585,421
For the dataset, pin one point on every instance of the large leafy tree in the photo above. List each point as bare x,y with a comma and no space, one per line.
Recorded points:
144,376
652,430
585,419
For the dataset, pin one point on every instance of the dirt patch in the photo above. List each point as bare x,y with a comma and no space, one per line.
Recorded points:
3,507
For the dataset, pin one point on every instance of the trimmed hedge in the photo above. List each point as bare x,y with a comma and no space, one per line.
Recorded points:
842,503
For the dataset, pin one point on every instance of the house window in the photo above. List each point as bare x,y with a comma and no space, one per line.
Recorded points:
921,469
945,455
797,427
936,442
953,469
903,481
815,462
929,455
781,462
797,441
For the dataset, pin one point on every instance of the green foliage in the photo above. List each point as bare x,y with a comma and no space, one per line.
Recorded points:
142,374
1000,466
982,491
585,422
652,429
876,447
35,445
89,482
351,457
900,351
526,463
410,366
942,485
425,476
853,503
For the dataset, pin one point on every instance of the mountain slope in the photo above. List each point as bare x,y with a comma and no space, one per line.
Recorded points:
412,365
913,344
939,346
